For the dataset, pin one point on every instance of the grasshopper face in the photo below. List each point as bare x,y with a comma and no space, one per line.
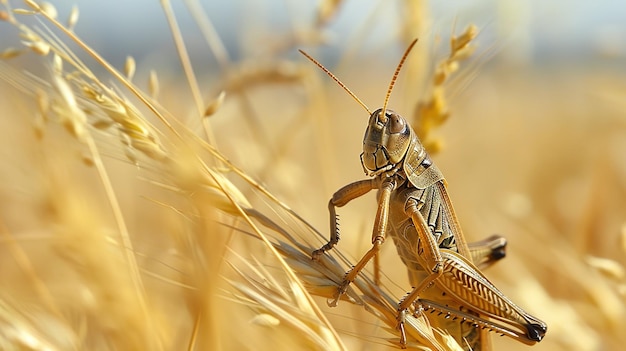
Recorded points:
385,143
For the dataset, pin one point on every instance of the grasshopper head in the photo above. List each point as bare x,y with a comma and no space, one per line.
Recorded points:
385,143
388,135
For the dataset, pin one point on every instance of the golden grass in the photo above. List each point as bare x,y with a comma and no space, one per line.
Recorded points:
130,223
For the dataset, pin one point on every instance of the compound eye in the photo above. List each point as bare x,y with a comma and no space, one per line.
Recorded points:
396,124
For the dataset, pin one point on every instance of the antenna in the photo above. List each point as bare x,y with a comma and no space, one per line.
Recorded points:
382,117
338,81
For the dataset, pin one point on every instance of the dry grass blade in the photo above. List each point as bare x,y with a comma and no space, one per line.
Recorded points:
263,291
208,32
26,328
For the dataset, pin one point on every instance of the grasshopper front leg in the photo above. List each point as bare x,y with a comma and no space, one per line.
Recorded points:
340,198
378,233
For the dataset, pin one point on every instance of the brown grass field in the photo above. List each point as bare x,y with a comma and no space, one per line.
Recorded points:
143,209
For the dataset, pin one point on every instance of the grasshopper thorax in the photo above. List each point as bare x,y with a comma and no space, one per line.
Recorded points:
386,141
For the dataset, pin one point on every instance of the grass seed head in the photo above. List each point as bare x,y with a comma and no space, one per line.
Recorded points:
214,105
49,9
129,67
39,47
461,42
609,268
153,84
33,5
73,18
10,53
66,108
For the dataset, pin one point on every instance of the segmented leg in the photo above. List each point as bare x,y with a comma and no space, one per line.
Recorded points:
378,238
461,279
377,269
488,251
339,199
464,281
457,276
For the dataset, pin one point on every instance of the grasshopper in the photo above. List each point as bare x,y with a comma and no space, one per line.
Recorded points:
414,208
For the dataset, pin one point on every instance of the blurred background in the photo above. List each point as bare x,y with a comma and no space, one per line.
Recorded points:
534,148
525,31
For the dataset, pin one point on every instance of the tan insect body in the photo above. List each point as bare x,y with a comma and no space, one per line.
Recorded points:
414,208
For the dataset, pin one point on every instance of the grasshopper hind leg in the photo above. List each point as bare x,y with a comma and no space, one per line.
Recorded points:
536,329
488,251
